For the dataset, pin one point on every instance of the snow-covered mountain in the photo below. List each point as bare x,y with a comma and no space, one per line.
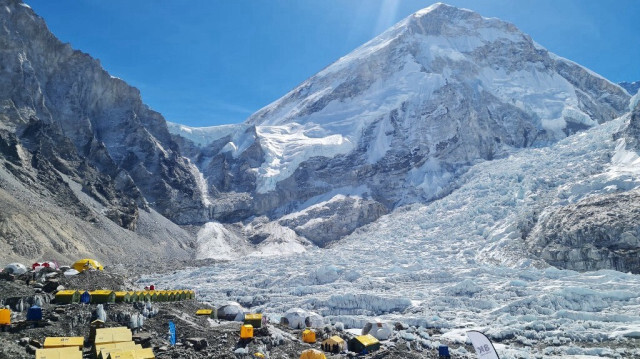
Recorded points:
397,121
401,120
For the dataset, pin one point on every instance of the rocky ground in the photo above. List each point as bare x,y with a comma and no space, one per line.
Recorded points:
197,336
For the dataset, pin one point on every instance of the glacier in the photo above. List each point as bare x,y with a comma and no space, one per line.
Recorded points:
460,262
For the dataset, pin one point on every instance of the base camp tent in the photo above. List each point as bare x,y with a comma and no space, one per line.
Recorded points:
232,311
67,296
364,344
86,264
379,329
308,336
313,320
102,296
335,344
294,318
255,319
15,268
312,354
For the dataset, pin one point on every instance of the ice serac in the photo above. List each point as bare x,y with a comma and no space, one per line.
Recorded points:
402,117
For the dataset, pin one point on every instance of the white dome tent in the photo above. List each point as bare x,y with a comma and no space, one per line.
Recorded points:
15,268
379,329
313,320
232,311
294,318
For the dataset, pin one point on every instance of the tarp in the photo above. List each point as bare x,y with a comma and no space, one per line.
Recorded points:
86,264
71,272
15,268
482,345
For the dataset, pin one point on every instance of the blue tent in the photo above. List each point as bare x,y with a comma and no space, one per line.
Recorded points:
34,313
85,297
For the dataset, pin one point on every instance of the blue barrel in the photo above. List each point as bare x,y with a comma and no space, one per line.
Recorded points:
34,313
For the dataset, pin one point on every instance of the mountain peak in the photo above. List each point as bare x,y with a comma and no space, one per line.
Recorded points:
439,8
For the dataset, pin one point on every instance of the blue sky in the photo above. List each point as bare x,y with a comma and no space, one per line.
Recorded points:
210,62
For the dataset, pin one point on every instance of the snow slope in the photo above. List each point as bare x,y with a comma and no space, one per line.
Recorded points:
459,263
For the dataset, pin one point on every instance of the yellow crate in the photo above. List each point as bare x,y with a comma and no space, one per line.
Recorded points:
113,335
61,342
59,353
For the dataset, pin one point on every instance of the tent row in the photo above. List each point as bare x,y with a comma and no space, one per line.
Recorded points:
110,296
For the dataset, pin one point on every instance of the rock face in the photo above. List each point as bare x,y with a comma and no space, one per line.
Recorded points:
92,116
600,232
75,138
395,122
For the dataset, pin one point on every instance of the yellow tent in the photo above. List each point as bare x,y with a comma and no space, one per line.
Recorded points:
67,296
254,319
308,336
102,296
144,296
123,297
312,354
133,296
335,344
246,331
87,263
